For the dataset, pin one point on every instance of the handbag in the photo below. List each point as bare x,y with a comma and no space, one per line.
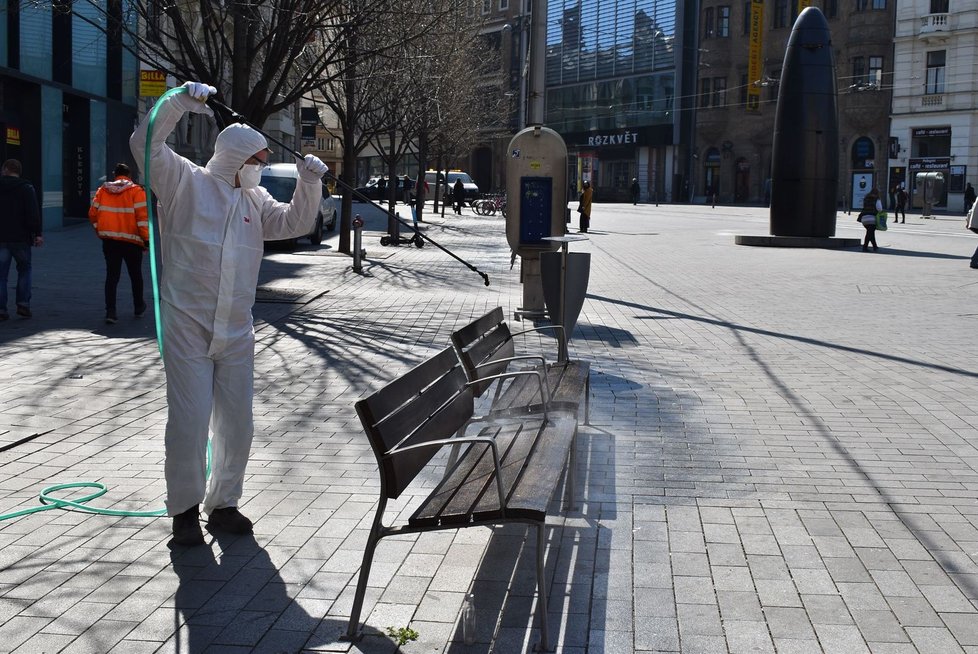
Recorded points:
972,221
881,221
580,209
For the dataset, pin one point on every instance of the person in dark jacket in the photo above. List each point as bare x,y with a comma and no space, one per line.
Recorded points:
969,197
902,199
458,195
20,228
636,191
871,206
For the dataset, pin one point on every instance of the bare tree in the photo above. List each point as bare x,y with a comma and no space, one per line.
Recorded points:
261,55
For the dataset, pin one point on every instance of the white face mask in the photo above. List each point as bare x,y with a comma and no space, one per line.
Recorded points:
249,176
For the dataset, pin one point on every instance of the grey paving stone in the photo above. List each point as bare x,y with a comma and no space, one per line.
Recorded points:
879,626
947,599
933,639
843,639
659,634
748,637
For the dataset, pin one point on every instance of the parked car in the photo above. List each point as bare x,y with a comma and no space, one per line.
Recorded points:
280,179
471,188
374,192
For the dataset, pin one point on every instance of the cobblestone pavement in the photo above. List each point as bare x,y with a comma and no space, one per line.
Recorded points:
782,456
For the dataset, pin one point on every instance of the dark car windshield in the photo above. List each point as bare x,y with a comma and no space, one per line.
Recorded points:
280,188
462,176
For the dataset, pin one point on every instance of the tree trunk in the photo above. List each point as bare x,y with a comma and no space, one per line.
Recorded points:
392,226
419,182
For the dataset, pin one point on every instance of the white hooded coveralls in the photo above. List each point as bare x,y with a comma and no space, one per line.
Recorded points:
211,235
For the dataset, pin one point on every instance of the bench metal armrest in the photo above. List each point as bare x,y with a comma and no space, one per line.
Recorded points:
561,336
541,382
455,441
522,357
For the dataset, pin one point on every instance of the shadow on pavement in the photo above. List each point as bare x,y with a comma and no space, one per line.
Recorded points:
967,583
916,253
577,565
239,599
791,337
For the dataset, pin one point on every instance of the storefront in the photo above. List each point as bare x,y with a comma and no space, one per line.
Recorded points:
609,160
930,151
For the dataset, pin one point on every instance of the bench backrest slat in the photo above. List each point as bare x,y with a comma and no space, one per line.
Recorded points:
428,402
476,349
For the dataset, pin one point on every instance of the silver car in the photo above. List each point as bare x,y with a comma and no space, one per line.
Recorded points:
280,179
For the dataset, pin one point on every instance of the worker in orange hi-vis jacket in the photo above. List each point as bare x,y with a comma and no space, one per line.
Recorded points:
119,217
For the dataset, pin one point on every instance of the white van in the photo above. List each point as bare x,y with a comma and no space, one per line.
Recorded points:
280,179
471,188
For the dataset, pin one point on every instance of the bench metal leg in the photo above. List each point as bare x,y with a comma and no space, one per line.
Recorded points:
570,497
542,588
587,399
368,559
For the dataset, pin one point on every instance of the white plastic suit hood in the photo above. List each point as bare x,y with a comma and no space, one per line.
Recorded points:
235,144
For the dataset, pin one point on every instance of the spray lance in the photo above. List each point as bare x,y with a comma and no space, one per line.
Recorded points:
241,119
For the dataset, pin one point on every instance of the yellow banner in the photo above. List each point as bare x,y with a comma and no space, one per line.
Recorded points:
755,70
152,83
802,4
13,136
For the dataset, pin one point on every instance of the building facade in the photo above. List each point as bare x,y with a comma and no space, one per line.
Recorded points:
935,97
613,90
739,60
68,97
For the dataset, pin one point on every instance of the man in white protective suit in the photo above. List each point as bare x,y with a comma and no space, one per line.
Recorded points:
212,223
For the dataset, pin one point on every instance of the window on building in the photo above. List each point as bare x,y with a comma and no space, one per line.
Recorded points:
743,90
503,5
781,13
705,92
935,72
862,5
830,8
723,21
486,6
875,71
939,6
879,4
858,70
746,18
719,91
772,90
708,23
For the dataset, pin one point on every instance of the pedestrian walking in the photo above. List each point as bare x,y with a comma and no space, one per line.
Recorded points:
584,207
972,223
20,228
872,205
636,191
458,196
213,220
118,215
969,197
902,200
406,189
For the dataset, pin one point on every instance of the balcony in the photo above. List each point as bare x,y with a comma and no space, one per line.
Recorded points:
934,28
932,101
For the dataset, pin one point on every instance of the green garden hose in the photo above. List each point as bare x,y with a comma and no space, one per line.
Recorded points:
47,500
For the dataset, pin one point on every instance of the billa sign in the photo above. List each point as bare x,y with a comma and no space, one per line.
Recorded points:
13,136
152,83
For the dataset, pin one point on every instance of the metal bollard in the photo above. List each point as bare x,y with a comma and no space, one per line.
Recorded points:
357,241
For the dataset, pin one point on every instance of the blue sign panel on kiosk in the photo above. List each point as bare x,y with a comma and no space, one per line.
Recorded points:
536,200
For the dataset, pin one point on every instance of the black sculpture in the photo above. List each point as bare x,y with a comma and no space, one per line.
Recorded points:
805,160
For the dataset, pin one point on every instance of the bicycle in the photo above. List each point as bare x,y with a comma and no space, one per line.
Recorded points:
489,205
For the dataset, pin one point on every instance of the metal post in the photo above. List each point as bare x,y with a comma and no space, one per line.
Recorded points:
357,241
537,61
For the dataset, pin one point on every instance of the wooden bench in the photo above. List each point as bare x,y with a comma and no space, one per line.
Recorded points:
487,350
508,471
